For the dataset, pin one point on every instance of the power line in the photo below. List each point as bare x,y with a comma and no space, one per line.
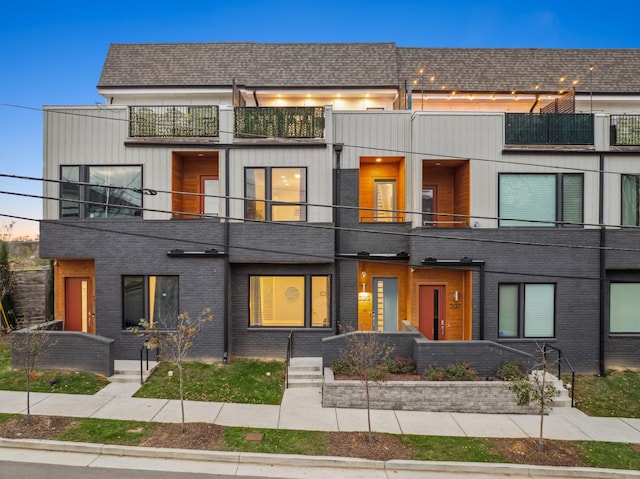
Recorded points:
322,226
325,258
347,145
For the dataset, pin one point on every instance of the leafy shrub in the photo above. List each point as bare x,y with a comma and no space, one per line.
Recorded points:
344,366
452,372
510,371
401,365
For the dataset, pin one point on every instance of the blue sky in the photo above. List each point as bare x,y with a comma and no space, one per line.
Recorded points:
51,53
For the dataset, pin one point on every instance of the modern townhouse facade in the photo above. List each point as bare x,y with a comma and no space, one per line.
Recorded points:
468,195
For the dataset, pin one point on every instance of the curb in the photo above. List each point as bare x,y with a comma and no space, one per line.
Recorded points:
328,462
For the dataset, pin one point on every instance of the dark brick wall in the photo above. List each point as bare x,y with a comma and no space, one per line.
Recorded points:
140,248
271,342
333,347
71,350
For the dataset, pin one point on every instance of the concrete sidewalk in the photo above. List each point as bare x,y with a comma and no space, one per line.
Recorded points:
302,409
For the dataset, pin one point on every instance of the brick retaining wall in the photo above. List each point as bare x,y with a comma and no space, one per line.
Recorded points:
450,396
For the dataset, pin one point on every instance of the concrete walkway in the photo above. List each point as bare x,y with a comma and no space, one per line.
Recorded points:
300,409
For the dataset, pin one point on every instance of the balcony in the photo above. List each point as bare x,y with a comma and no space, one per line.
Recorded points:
279,122
548,129
625,130
173,121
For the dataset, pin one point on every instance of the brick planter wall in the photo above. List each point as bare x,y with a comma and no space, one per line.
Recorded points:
450,396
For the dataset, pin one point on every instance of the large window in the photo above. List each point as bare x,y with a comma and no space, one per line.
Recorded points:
624,308
90,191
154,298
541,200
289,301
526,310
630,200
276,194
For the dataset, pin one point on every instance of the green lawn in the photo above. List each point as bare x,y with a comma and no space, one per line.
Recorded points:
240,381
70,382
615,395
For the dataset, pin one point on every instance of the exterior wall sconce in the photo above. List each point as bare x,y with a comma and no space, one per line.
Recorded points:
456,295
363,295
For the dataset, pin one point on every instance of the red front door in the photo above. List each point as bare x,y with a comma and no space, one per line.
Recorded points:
432,320
77,305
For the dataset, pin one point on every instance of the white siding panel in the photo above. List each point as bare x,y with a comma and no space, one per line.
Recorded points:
371,134
80,135
615,167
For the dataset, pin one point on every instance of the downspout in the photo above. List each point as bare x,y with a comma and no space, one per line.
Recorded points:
603,279
227,272
481,304
255,97
337,147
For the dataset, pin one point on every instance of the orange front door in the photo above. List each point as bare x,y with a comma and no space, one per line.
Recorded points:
432,309
77,311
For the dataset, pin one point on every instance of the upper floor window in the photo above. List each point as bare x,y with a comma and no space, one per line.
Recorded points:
154,298
275,194
89,191
526,310
541,200
631,200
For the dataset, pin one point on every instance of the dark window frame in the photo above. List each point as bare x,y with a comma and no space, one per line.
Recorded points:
636,179
83,186
268,194
559,221
308,300
127,324
522,309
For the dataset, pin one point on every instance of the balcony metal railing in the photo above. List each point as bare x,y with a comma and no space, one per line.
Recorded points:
625,130
548,129
279,122
173,121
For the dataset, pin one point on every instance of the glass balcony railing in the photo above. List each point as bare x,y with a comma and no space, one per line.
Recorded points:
548,129
279,122
173,121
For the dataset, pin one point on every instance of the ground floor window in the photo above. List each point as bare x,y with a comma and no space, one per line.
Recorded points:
154,298
624,308
289,301
526,310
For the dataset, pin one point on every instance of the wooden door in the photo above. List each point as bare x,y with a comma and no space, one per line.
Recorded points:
432,320
78,309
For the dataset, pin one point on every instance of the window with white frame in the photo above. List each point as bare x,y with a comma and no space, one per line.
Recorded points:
526,310
276,194
93,191
624,308
289,301
541,200
154,298
631,200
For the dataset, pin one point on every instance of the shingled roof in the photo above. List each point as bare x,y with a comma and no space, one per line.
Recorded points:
368,65
293,65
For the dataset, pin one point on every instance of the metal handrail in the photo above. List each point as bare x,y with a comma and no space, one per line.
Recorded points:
561,358
288,359
144,346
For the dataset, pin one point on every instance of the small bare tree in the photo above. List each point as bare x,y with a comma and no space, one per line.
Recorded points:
366,353
29,345
174,340
536,389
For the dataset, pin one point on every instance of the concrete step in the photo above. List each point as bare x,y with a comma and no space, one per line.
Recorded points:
297,374
305,383
305,373
128,371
